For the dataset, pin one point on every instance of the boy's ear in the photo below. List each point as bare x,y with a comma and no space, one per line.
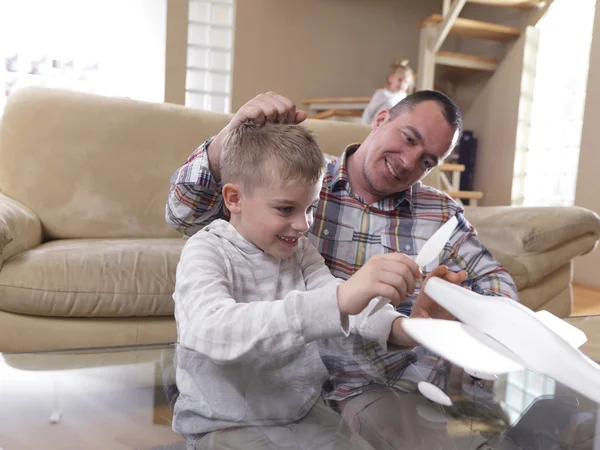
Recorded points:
232,196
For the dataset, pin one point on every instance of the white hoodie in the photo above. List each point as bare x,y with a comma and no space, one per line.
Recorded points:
247,325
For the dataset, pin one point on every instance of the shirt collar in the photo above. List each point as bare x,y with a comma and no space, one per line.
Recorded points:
340,181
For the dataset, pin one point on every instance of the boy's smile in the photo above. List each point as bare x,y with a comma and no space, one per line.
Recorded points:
274,216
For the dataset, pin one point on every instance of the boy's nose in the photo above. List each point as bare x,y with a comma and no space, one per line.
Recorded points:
301,224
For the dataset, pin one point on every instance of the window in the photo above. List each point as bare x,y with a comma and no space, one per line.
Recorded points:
109,47
520,389
209,58
551,110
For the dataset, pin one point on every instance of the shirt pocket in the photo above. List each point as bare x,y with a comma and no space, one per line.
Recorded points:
393,243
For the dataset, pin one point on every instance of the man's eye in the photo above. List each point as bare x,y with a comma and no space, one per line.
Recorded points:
409,139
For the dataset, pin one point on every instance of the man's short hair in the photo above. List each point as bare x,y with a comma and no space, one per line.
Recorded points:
253,155
449,109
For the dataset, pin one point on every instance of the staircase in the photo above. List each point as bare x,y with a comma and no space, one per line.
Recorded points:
456,67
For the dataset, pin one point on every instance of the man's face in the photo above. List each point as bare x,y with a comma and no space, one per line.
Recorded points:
401,151
274,216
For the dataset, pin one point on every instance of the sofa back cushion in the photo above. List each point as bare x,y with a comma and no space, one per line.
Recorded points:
99,167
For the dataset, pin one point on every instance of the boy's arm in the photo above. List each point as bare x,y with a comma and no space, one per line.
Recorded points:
195,196
212,322
376,327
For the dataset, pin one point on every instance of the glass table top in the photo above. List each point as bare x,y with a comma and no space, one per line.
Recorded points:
118,398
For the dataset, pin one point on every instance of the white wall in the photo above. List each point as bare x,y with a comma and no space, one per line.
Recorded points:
126,37
587,268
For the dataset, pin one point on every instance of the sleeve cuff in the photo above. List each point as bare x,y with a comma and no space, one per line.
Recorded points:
321,315
376,327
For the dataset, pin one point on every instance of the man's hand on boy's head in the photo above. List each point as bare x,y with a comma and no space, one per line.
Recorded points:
424,307
268,107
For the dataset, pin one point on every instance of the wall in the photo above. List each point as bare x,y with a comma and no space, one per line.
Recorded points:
317,48
493,116
176,51
587,268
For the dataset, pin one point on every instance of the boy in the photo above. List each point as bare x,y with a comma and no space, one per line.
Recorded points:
253,296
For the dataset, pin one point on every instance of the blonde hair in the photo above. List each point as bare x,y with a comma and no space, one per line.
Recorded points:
253,154
410,74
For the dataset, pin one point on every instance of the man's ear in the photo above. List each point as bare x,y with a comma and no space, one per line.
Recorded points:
232,196
380,118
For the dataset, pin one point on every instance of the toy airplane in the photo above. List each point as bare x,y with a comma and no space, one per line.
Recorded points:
497,335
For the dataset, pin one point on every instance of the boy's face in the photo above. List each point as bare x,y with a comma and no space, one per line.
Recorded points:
273,216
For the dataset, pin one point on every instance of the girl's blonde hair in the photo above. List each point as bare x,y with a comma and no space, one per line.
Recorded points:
410,74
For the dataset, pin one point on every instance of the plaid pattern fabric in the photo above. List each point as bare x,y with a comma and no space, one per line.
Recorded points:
347,232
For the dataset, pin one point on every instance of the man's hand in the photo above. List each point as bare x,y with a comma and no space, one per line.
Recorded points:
425,308
269,107
391,275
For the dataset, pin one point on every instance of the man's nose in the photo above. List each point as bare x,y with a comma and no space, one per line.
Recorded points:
410,159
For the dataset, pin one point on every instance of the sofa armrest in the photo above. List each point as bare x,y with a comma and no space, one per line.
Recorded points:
20,228
532,230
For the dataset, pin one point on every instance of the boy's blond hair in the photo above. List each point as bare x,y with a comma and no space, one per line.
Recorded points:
253,155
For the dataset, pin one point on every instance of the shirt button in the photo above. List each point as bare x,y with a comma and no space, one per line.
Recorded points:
407,247
326,232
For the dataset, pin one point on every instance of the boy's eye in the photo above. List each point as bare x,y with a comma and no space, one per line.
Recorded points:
428,164
285,209
311,209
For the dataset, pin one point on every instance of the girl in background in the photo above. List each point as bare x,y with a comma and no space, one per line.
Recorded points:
400,83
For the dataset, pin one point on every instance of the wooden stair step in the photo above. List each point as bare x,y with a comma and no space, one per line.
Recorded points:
511,3
447,167
476,29
337,112
336,100
462,60
465,195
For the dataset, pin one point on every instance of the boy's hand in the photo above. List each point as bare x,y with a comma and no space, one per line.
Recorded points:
269,107
391,275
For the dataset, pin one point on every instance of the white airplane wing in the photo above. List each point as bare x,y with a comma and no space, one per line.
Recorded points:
463,345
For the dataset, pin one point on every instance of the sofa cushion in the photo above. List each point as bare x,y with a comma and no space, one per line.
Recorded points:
528,269
92,278
535,296
520,230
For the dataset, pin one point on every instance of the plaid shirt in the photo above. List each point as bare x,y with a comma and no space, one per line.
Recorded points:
347,232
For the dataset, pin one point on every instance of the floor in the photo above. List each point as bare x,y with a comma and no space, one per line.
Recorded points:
586,300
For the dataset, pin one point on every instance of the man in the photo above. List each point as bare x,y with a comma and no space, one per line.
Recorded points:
372,202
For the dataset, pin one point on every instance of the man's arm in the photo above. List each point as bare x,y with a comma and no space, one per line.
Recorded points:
195,196
484,274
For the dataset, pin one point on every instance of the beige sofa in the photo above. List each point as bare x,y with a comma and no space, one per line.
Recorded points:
87,258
